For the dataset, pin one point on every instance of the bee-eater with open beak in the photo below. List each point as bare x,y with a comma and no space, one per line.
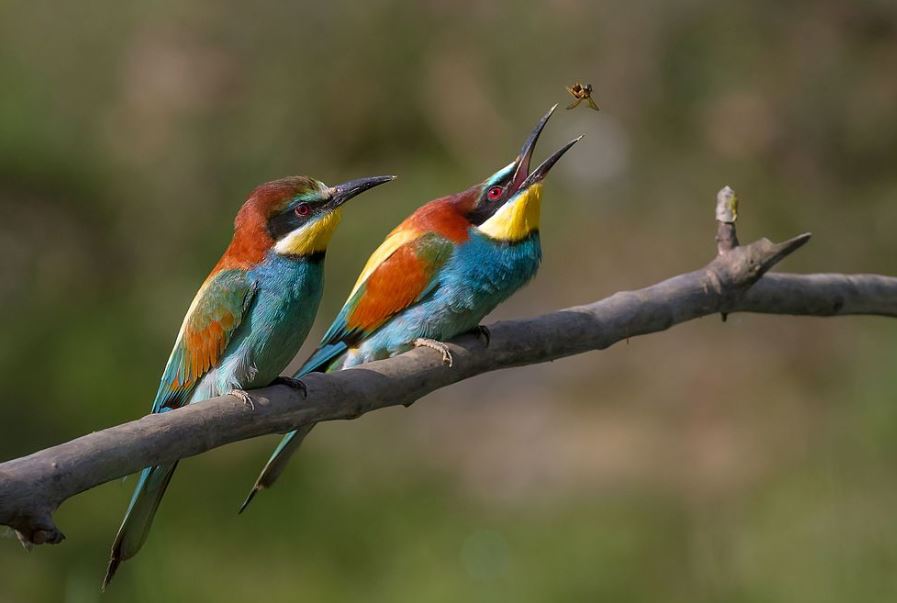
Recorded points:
437,275
248,319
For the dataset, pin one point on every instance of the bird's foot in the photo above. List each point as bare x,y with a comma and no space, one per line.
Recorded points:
244,396
292,383
421,342
483,334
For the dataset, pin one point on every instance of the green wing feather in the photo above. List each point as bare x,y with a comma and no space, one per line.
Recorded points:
408,275
213,317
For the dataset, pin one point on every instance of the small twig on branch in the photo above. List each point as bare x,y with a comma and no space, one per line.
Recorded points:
726,214
32,487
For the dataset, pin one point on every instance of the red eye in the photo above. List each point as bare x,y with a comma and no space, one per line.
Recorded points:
495,193
302,210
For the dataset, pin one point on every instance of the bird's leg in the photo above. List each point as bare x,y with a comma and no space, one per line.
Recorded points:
244,396
293,383
421,342
482,333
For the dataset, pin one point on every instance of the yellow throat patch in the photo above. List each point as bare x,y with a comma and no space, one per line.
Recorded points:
311,238
515,221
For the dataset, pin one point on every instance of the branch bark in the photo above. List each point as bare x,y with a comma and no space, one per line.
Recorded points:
32,487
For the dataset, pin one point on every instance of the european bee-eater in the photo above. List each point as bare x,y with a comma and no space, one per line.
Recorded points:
437,275
248,318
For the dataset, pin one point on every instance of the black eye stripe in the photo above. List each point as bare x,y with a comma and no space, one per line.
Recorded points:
288,221
281,224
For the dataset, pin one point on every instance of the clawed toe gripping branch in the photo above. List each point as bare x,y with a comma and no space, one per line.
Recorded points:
736,280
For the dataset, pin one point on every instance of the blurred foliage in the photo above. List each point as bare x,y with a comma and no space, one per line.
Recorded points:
741,462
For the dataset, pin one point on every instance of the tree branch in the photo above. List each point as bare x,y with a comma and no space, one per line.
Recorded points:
32,487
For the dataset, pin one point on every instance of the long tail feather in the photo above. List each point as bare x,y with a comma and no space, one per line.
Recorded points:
278,462
139,517
320,360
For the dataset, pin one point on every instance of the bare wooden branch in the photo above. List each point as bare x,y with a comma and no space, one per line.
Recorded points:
32,487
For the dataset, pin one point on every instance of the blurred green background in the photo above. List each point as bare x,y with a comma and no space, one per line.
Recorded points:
747,461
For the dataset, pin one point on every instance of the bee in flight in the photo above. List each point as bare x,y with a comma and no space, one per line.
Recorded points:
581,93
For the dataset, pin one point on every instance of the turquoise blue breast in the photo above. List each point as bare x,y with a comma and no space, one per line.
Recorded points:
288,291
483,272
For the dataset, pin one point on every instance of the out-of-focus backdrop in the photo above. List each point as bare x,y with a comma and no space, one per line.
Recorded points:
752,460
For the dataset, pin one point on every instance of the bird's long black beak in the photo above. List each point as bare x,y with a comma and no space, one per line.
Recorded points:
341,193
538,174
522,177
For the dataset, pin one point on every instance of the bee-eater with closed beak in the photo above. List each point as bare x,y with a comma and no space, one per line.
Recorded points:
248,319
437,275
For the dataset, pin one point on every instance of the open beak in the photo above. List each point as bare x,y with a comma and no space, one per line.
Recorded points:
341,193
538,174
523,178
